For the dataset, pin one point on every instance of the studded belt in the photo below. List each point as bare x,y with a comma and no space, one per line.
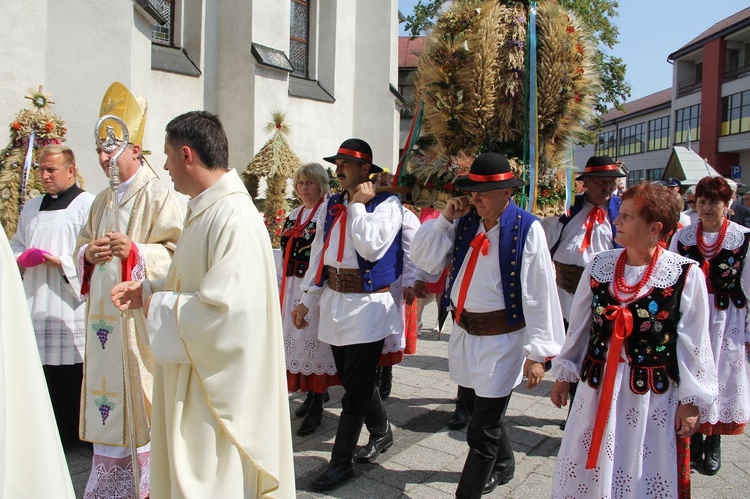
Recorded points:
487,323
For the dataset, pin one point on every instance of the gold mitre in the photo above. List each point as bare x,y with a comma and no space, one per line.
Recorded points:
130,108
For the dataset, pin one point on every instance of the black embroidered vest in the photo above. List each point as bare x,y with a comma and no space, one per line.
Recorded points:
299,258
725,270
651,348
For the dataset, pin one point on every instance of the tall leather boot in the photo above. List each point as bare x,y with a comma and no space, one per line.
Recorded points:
474,477
386,382
304,406
696,449
314,415
381,436
340,467
505,465
461,415
712,453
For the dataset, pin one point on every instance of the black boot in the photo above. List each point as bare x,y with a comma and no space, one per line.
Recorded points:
386,382
460,417
505,464
381,436
696,449
712,453
340,468
474,477
304,406
314,416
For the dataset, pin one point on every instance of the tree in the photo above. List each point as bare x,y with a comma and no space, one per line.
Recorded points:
596,14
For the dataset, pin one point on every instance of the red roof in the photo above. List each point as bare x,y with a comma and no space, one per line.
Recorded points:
722,28
409,50
631,108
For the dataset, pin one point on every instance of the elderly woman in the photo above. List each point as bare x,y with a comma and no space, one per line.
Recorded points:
720,248
309,363
639,346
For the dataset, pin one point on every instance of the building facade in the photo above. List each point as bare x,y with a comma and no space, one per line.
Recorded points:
330,66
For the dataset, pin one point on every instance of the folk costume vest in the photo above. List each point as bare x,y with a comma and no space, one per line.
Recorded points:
375,275
612,211
651,348
299,252
723,271
514,227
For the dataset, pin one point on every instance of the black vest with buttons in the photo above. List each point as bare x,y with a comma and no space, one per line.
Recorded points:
299,257
651,348
514,227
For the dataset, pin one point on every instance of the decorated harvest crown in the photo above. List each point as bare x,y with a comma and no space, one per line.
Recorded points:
131,109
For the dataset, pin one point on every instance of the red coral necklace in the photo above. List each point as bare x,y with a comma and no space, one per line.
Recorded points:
620,286
709,251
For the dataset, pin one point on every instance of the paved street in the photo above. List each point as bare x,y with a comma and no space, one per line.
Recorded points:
426,458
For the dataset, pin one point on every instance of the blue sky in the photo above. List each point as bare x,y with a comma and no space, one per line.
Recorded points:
649,31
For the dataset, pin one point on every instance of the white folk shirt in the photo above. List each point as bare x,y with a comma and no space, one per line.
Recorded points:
58,311
569,250
492,365
353,318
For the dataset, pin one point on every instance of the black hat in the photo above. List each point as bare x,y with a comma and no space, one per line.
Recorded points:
356,150
672,182
489,171
602,166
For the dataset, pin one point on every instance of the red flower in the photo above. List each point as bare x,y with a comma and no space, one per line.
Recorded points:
15,126
49,126
579,71
280,211
577,96
662,315
579,49
667,291
594,283
570,29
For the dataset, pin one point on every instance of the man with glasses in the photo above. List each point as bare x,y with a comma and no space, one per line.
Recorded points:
690,202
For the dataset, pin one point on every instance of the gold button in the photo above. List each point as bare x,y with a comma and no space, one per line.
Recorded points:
515,228
512,274
512,284
512,263
515,238
368,270
512,295
515,316
369,282
460,237
513,250
519,217
513,306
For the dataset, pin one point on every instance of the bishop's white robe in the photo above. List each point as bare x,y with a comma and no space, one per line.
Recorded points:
221,414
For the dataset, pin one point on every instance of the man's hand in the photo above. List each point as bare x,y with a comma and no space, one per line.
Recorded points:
52,261
559,393
127,296
365,193
686,420
456,208
98,251
534,371
119,244
420,289
409,296
298,316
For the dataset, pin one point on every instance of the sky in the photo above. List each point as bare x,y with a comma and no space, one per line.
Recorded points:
650,30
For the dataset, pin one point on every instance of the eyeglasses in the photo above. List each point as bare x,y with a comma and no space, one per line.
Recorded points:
691,203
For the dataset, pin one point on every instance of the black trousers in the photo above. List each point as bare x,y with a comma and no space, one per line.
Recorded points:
64,386
486,434
356,367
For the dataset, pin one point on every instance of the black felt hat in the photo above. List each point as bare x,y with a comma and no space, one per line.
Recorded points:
602,166
355,150
489,171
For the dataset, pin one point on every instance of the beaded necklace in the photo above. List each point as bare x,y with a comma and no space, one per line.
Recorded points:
620,286
709,251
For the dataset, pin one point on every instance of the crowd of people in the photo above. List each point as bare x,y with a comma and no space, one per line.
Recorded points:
153,344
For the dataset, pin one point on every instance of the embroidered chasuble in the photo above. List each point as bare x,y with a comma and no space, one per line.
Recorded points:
151,215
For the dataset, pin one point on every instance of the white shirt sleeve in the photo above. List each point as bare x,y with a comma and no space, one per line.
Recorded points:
432,246
373,233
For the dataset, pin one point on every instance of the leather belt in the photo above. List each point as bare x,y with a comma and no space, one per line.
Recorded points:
348,281
568,276
487,323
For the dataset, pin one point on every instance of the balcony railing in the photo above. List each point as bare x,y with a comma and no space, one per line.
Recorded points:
689,86
734,71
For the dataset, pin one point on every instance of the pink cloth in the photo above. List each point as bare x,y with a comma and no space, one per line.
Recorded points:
31,257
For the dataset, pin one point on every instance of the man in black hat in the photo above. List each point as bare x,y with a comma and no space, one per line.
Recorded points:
507,313
353,262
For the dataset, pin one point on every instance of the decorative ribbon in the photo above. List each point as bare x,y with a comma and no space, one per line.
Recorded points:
706,268
338,211
622,326
490,178
533,111
596,215
480,243
570,186
295,232
411,140
26,170
351,152
600,168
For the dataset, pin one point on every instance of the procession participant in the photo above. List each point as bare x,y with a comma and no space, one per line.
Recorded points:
151,218
738,213
638,343
43,244
355,259
585,230
690,202
507,313
720,247
309,362
220,415
32,463
675,186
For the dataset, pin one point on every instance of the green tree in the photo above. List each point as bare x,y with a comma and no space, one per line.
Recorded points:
595,14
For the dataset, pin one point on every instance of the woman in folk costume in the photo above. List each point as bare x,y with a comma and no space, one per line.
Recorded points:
638,342
720,248
151,218
309,362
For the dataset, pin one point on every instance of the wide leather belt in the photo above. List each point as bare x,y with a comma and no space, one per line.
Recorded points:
487,323
348,281
568,276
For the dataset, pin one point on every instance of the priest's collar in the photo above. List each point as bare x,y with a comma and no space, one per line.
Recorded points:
61,200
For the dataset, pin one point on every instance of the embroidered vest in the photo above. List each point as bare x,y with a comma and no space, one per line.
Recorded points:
612,211
651,348
725,271
514,227
379,274
299,258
